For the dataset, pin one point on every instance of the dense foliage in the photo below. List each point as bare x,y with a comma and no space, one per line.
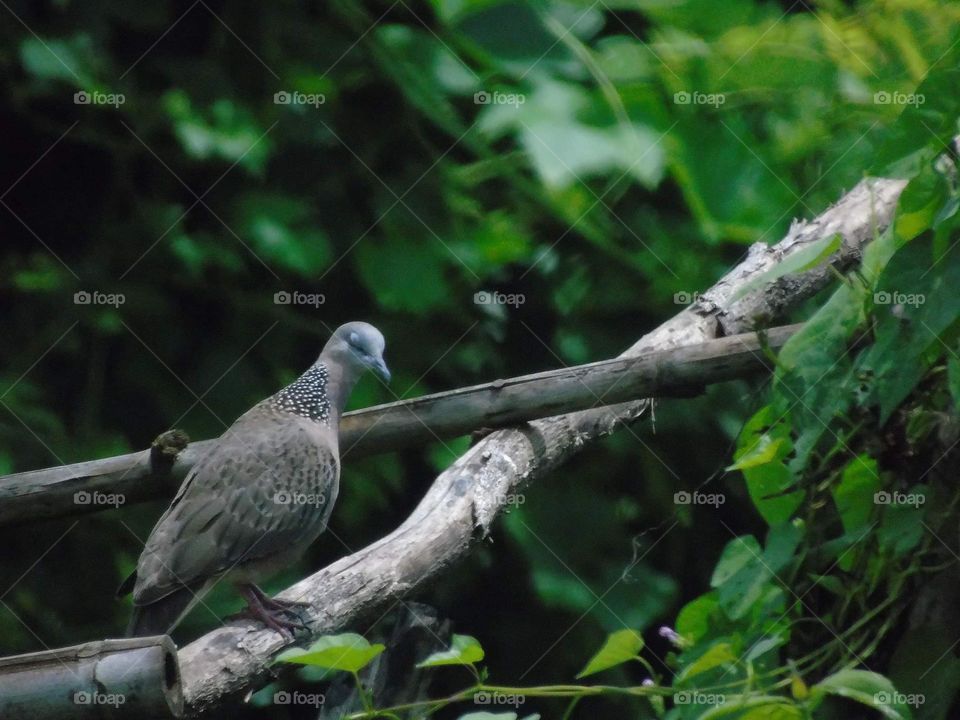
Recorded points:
195,194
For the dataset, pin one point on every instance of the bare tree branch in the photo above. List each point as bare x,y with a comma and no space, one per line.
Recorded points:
73,489
466,497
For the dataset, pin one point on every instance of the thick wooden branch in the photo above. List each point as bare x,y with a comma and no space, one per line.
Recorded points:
464,500
90,486
136,677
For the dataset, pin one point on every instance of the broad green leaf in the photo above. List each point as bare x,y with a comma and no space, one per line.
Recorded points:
953,378
755,707
464,650
718,655
919,203
767,449
902,527
695,619
853,496
620,647
348,651
739,553
781,545
806,259
762,448
916,307
923,128
869,688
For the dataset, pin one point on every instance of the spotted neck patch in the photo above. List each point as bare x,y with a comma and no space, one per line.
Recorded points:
307,395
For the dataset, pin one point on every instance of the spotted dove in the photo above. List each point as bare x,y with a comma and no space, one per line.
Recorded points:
258,498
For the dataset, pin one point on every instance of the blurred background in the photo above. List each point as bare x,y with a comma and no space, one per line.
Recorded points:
194,195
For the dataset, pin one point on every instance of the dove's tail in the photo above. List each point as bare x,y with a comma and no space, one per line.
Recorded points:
161,616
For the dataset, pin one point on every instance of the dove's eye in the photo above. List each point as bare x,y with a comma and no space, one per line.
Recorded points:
354,342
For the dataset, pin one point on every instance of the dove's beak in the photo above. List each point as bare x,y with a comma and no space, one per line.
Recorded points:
381,370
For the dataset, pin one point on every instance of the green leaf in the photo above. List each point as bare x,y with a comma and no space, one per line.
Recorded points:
464,650
348,651
620,647
694,620
765,450
717,656
867,688
923,128
853,496
919,203
755,707
738,553
801,261
953,378
916,307
762,449
902,526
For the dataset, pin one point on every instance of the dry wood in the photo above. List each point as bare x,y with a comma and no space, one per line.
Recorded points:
90,486
135,677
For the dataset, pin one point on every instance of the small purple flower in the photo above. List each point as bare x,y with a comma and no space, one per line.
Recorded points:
668,633
647,682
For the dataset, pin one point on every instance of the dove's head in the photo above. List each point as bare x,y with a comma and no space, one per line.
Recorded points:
358,346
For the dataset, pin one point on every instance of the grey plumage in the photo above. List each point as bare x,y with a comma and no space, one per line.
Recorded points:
261,495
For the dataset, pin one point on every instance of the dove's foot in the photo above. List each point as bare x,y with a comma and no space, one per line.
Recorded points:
278,615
